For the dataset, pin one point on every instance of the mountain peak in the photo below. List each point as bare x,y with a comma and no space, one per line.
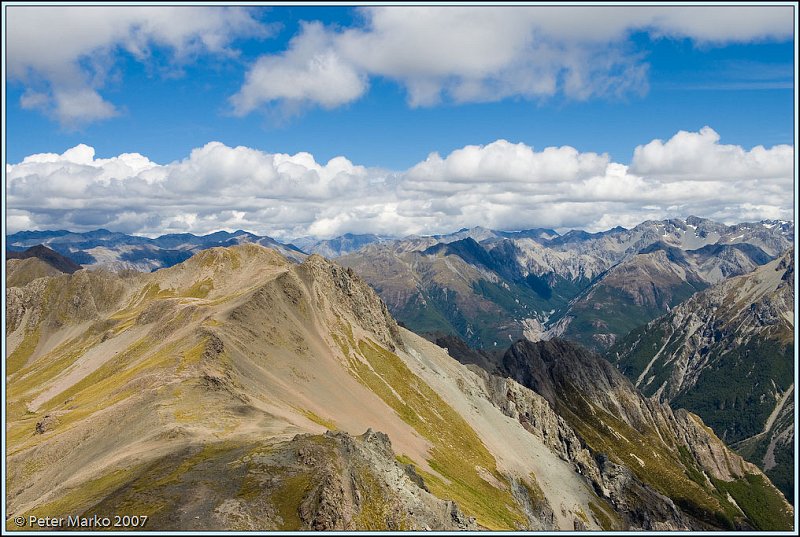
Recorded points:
348,292
49,256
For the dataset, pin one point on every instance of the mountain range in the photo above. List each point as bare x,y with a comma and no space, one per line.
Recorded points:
242,390
36,262
118,251
685,306
492,287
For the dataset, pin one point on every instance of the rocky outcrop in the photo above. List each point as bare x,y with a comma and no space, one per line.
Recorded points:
641,506
358,484
337,481
638,505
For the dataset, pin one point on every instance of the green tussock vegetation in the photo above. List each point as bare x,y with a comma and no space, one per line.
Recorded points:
194,355
693,472
375,512
759,501
75,500
202,453
341,344
659,467
319,420
457,451
152,291
200,289
605,516
251,488
158,488
674,474
23,352
213,256
405,459
101,389
580,514
112,377
287,500
535,492
49,365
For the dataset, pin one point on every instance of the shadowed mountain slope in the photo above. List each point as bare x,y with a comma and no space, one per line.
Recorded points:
37,261
727,354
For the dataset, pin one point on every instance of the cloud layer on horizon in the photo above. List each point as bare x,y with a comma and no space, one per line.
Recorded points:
501,185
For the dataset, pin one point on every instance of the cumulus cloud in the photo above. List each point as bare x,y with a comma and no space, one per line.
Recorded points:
504,162
310,71
501,185
699,155
64,54
482,53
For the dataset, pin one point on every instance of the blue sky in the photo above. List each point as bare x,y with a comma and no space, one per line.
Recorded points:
391,86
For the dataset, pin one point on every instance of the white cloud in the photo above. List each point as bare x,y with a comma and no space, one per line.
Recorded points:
724,24
700,156
501,185
487,53
504,162
63,54
310,71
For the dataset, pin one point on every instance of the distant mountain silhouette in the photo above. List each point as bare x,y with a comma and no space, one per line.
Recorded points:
51,257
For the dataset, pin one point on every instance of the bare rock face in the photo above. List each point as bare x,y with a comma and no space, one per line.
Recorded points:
639,505
538,417
341,286
709,451
642,506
